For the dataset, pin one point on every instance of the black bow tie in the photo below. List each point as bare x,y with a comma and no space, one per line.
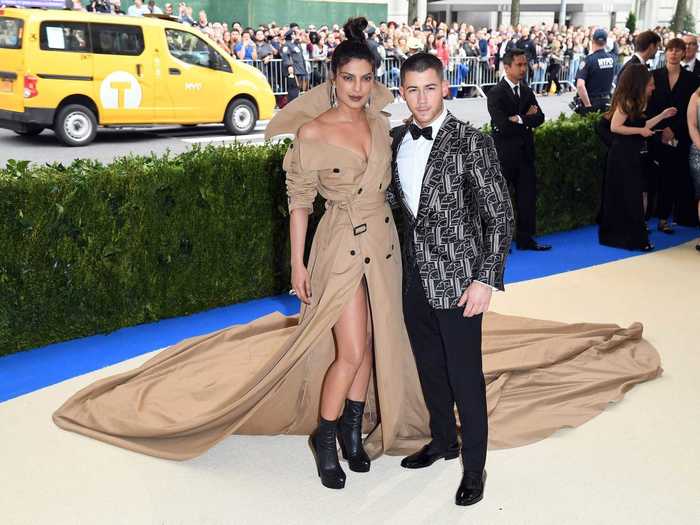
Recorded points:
417,132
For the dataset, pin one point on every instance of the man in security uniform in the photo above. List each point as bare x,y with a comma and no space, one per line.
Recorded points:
594,79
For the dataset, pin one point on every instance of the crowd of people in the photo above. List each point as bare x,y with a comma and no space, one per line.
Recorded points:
651,131
548,46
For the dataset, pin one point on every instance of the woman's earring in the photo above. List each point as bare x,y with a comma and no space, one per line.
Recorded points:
369,102
333,96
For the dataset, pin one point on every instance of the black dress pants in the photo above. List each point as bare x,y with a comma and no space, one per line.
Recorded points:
521,176
447,349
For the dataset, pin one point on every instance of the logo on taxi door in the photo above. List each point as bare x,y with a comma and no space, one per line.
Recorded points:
120,90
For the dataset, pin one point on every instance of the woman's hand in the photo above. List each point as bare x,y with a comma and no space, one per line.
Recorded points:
301,283
646,132
669,112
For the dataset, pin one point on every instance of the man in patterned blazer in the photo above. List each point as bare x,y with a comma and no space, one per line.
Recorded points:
457,229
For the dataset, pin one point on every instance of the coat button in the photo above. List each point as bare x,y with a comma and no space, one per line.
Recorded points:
359,191
386,219
366,260
336,170
388,256
352,252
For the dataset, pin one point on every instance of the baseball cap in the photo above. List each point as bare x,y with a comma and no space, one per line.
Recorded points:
600,35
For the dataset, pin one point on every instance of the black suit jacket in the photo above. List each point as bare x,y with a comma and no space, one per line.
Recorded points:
696,68
634,60
663,97
514,142
464,224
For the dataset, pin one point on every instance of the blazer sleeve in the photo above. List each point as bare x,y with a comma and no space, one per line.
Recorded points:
391,191
499,118
533,121
495,210
302,185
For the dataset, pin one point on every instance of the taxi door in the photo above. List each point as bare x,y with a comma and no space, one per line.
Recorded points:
64,62
124,74
196,75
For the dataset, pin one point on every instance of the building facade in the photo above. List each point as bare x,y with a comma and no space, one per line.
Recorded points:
482,13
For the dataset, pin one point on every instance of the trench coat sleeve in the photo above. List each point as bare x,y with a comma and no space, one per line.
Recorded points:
495,210
302,184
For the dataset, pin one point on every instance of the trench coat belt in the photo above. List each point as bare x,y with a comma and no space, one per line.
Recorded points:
367,202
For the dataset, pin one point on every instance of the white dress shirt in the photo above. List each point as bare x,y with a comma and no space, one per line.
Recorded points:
412,159
518,94
690,65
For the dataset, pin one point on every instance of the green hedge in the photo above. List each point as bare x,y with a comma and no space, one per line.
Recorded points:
89,248
570,165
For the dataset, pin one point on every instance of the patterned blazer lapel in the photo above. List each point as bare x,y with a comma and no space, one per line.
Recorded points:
398,137
433,173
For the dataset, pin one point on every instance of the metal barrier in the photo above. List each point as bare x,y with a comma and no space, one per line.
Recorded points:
470,74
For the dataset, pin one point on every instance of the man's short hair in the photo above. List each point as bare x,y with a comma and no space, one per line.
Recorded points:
645,40
510,55
421,62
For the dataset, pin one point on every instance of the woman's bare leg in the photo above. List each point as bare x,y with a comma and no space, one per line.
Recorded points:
358,389
351,356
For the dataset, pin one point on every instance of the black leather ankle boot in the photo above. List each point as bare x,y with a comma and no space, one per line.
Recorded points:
350,436
322,443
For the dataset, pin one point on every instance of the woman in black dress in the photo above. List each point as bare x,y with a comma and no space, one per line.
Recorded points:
622,211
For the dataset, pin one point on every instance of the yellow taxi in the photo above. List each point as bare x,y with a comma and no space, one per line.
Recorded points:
74,71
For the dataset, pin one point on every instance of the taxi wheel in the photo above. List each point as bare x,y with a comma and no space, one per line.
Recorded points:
241,117
75,125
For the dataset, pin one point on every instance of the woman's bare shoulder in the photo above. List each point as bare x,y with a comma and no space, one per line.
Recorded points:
314,129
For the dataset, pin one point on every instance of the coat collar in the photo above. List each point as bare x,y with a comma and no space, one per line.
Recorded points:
315,102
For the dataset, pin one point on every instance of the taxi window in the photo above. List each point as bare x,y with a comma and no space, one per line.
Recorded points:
64,36
10,33
191,49
112,39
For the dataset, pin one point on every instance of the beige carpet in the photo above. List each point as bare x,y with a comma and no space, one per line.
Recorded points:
637,463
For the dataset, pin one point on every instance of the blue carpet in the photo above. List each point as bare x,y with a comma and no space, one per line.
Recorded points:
28,371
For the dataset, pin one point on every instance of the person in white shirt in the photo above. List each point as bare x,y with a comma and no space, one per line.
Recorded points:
457,228
137,9
690,62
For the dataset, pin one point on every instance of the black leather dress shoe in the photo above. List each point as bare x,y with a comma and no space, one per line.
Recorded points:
429,454
471,489
532,244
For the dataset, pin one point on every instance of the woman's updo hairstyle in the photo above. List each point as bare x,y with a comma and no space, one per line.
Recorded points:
354,46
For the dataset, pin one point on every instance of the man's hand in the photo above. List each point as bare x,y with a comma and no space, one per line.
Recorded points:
532,111
477,298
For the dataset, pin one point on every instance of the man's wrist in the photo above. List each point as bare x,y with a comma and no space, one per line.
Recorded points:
482,283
